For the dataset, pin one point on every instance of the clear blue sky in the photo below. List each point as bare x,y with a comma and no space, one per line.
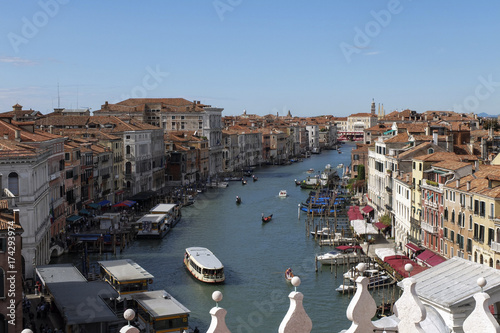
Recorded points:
310,57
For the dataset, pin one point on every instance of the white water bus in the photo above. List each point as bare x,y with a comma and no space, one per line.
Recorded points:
204,265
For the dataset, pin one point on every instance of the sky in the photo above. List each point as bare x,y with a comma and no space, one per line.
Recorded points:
266,57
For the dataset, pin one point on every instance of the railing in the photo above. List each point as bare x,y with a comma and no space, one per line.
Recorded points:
362,308
429,228
495,246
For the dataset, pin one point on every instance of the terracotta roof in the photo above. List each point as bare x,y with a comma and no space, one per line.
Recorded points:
400,138
451,165
362,114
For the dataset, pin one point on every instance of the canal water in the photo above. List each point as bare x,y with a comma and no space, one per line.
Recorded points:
255,255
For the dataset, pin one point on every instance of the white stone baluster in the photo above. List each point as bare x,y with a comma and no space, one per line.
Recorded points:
129,315
296,319
362,307
409,309
218,323
481,319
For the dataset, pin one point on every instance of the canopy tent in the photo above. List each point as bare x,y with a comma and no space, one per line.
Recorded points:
367,209
125,203
362,228
354,214
413,247
380,226
430,258
94,205
84,212
104,202
73,218
398,262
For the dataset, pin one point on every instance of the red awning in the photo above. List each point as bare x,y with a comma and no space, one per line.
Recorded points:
430,258
380,225
367,209
398,262
413,247
435,260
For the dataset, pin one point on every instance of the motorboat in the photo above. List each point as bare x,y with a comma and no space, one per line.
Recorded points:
341,254
283,194
297,182
266,219
255,178
289,274
340,166
204,265
311,170
376,278
323,233
243,182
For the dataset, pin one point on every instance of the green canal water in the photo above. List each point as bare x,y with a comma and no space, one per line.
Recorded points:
255,255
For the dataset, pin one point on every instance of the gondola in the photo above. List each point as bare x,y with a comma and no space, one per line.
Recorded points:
266,219
238,200
255,178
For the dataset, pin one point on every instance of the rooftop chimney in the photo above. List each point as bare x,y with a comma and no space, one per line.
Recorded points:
458,183
407,177
17,135
468,185
435,137
16,216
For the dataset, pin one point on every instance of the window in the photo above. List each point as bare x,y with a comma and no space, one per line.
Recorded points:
446,249
14,183
419,166
491,236
127,137
445,232
469,245
2,283
3,244
482,209
492,209
173,117
355,157
452,236
476,207
481,233
470,222
128,150
413,165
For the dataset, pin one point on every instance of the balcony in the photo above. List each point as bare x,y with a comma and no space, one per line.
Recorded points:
388,189
429,228
495,246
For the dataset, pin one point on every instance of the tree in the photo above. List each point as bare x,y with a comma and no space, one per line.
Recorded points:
386,219
361,172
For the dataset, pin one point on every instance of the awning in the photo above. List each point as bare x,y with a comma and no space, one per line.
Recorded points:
380,225
367,209
73,218
126,203
119,192
84,212
413,247
362,228
104,202
94,205
430,258
143,196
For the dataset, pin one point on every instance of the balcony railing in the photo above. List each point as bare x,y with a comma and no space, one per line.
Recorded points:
495,247
429,228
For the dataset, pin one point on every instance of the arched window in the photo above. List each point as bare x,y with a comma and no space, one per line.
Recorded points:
453,216
14,183
128,184
128,168
481,260
491,262
430,151
446,213
475,256
470,222
127,150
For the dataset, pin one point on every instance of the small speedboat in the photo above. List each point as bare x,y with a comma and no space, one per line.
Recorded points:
310,170
289,274
283,194
266,219
297,182
243,182
238,200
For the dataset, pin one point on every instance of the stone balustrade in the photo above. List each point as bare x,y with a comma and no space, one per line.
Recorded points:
409,310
